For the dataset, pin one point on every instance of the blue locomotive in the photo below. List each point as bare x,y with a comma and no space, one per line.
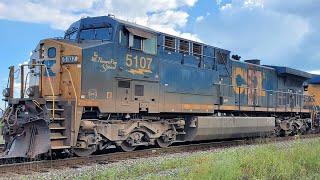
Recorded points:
110,83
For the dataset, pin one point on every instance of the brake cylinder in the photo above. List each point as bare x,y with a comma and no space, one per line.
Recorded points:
88,125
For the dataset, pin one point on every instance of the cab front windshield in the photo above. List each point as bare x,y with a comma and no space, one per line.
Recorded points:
103,33
96,34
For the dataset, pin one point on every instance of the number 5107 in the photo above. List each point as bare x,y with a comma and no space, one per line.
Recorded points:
138,62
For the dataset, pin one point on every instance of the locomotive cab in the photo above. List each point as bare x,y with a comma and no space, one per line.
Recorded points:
47,97
37,114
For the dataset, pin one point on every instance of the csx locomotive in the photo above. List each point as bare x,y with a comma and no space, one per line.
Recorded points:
114,84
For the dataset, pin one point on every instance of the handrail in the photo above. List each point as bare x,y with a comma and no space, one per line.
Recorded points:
246,87
232,91
25,83
53,95
74,91
50,84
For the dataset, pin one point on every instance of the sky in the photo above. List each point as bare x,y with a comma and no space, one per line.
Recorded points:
278,32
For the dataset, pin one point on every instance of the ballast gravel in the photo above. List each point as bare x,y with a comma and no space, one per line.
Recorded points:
88,171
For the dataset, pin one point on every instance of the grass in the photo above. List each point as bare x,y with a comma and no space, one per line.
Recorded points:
301,160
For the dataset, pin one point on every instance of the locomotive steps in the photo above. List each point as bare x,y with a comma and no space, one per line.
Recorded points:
57,125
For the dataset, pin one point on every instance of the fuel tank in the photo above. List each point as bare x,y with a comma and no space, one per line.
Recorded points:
211,128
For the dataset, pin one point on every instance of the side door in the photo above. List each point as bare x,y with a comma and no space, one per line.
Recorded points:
51,73
124,98
146,95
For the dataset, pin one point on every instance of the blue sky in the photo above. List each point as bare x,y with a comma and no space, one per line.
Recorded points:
277,32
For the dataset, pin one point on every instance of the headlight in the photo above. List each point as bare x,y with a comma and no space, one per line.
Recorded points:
6,92
30,92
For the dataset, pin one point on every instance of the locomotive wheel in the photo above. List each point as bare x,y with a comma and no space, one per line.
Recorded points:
85,152
134,138
166,139
126,147
162,144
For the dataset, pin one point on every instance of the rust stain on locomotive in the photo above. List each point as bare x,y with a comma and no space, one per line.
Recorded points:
255,86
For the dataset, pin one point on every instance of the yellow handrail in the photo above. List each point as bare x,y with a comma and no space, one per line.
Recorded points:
50,83
74,91
52,91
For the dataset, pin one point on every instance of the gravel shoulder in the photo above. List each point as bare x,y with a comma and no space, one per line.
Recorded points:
187,165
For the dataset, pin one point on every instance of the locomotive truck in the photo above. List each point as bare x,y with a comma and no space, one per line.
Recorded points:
109,83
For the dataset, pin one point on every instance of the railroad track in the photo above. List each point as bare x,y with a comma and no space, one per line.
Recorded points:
74,162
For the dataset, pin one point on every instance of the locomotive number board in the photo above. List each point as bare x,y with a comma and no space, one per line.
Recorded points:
69,59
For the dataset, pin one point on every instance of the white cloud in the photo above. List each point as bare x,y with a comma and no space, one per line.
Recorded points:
73,4
166,14
2,7
317,72
247,4
36,13
3,85
253,3
169,22
277,32
226,6
189,2
199,18
172,19
219,2
24,62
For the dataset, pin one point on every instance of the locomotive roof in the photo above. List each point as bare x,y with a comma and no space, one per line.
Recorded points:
281,70
315,79
104,19
251,64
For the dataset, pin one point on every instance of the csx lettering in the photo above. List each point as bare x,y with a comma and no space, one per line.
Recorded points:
138,62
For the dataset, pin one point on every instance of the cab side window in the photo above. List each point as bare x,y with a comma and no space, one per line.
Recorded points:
150,45
141,40
136,42
124,38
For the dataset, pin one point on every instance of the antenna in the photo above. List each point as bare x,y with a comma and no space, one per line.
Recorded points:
112,15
